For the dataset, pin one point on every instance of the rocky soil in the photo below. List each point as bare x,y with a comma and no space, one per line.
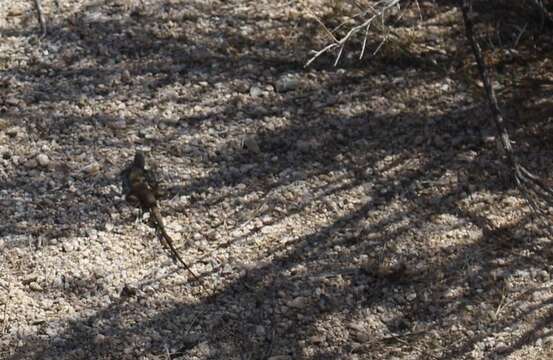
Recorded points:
350,212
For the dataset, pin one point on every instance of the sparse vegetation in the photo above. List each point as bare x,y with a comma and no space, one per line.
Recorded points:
356,211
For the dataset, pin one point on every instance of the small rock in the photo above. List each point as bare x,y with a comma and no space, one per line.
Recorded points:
99,339
286,83
52,330
361,337
501,347
35,286
241,86
251,145
119,124
419,139
14,131
13,101
256,91
268,230
43,160
439,141
92,169
189,341
31,163
411,296
3,124
306,145
148,289
260,330
522,273
298,302
70,246
316,339
227,269
543,275
357,326
128,291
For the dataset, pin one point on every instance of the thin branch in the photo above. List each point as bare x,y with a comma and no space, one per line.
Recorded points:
339,54
380,10
485,76
530,185
521,32
40,16
330,34
364,42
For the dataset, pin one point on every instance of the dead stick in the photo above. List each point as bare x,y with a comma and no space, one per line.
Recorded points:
40,16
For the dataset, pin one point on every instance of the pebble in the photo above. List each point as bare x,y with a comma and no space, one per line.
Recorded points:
298,302
15,131
286,83
92,169
119,124
357,326
260,330
251,145
99,339
70,246
361,337
3,123
316,339
43,160
256,91
31,163
35,286
190,340
52,330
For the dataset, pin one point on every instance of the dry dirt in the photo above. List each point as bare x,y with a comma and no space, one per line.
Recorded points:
350,212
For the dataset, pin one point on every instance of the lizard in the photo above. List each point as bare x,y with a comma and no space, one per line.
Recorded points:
141,189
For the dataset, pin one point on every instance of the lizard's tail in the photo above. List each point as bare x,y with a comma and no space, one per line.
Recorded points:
161,227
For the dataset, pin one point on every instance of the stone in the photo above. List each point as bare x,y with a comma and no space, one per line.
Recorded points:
43,160
260,330
251,145
35,286
99,339
298,302
92,168
256,91
286,82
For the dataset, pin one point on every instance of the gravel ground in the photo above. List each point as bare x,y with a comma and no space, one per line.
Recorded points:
354,212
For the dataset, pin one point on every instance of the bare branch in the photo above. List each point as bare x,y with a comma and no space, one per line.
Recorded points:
530,185
364,42
379,11
40,16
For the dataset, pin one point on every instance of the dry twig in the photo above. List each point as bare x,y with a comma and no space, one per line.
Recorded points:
379,11
40,16
531,186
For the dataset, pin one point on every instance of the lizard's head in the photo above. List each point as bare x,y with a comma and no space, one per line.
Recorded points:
139,159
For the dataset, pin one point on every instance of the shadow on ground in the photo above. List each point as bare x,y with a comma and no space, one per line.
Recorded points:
401,252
